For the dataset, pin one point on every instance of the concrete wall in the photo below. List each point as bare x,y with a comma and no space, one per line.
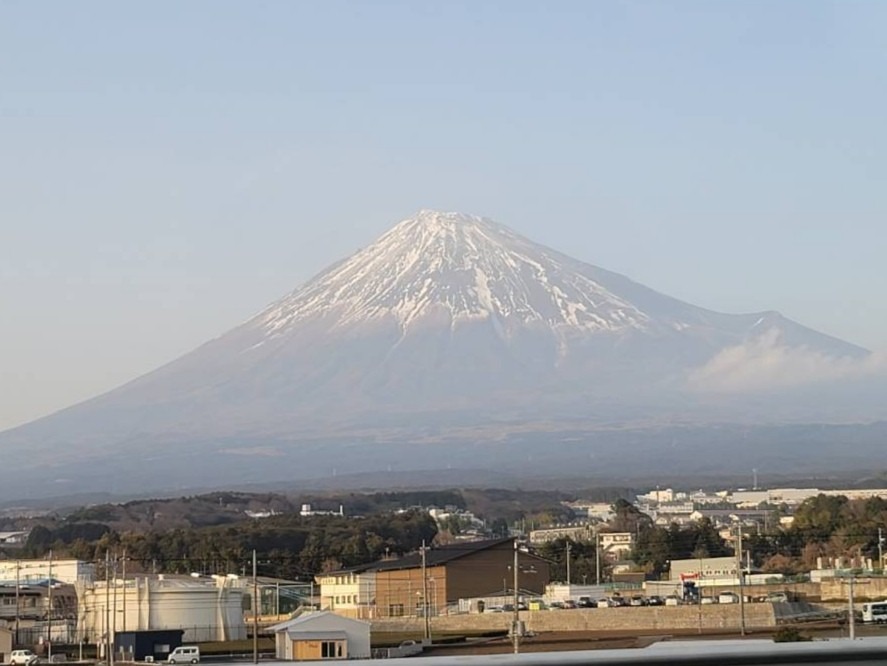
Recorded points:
658,618
837,589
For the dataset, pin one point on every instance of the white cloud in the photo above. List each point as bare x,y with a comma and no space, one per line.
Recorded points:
765,363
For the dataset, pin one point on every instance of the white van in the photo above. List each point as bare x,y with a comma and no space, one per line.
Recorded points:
185,654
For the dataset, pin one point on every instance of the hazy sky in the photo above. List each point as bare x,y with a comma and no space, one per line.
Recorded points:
169,168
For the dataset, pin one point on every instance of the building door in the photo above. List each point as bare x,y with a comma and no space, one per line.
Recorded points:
306,650
313,650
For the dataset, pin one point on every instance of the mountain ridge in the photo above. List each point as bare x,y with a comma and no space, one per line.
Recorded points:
447,323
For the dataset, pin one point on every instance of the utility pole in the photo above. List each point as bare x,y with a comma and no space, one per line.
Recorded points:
423,550
255,611
699,594
18,566
109,640
569,544
851,617
124,590
597,558
741,577
881,549
49,613
515,623
114,604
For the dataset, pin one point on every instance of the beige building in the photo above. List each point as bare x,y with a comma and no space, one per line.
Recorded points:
5,645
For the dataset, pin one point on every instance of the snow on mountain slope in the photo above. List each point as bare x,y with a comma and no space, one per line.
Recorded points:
450,268
464,267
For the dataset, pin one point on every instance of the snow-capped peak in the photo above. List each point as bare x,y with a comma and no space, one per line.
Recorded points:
463,267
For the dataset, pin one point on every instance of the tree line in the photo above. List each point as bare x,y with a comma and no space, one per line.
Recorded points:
289,546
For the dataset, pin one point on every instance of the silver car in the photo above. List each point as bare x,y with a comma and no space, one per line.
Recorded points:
23,658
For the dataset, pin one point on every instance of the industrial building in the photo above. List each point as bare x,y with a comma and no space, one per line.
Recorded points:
403,587
205,608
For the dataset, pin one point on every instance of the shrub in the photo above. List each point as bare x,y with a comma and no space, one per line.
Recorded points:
790,635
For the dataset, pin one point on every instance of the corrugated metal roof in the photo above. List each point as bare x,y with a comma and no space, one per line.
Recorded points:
433,557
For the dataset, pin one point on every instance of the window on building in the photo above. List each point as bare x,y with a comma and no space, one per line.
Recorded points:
395,610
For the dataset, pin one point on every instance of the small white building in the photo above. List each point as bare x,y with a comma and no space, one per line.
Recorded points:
706,571
35,571
616,545
582,532
658,496
14,538
322,635
584,509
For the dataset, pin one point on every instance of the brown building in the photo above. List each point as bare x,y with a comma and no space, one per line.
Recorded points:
464,570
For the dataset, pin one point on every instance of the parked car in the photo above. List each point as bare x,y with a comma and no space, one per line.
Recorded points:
569,603
617,601
556,605
184,654
637,600
604,602
23,658
728,598
672,600
585,602
655,600
705,601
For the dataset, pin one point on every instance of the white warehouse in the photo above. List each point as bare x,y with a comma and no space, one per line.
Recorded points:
35,571
206,608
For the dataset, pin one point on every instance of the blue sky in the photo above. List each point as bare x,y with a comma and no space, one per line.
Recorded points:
167,169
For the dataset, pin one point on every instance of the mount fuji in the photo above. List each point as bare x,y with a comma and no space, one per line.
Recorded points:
451,341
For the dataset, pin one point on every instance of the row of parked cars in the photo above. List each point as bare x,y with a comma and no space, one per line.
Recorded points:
618,601
614,601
